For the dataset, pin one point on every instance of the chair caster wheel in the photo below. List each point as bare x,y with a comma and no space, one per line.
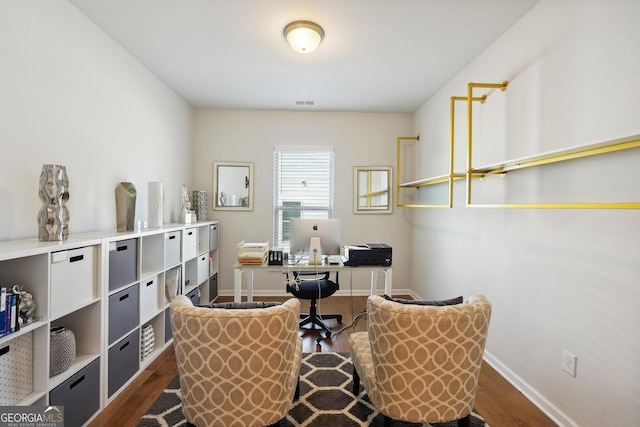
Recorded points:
326,336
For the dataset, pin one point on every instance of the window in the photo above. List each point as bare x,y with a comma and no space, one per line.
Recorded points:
303,188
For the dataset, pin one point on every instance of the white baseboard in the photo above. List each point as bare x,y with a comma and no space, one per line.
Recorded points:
552,411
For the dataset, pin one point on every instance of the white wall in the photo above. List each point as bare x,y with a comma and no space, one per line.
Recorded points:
558,279
73,96
358,139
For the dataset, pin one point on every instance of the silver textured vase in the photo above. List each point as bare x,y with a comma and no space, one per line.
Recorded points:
125,206
62,351
53,218
200,204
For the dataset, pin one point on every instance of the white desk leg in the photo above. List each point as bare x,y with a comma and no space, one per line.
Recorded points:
374,282
237,284
250,286
388,284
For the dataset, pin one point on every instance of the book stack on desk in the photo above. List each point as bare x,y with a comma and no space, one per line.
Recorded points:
252,253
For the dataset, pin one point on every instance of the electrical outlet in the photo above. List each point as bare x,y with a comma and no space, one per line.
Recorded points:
569,362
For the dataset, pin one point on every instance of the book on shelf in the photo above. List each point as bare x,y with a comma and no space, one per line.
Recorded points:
173,283
12,315
3,309
9,315
14,312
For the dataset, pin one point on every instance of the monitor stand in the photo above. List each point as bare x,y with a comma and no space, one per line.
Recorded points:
315,251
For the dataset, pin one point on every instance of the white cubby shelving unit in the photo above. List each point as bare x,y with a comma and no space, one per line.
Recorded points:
64,279
112,289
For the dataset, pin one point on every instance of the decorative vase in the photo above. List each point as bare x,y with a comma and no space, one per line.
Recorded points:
63,350
53,218
185,214
200,204
156,204
125,206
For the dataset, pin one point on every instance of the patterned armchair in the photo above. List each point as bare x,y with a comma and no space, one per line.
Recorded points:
237,367
421,363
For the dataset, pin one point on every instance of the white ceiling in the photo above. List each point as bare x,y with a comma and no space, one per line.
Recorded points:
377,55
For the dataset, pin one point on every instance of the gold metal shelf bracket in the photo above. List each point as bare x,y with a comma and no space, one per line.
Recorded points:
452,105
448,178
470,173
398,163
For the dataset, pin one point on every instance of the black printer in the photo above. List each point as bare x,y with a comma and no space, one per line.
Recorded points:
367,254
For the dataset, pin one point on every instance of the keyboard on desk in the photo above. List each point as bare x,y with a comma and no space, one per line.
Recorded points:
334,259
326,260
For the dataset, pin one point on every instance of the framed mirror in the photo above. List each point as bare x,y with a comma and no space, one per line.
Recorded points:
372,190
233,186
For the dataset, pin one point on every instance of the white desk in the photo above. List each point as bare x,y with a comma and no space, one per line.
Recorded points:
239,269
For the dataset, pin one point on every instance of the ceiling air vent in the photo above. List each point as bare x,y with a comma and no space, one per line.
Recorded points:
305,103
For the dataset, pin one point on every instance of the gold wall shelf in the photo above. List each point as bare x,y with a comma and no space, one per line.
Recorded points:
555,157
431,181
539,160
502,168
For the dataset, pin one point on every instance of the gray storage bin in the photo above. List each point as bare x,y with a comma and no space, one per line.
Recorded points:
213,237
123,312
168,333
213,287
123,256
194,296
172,248
80,395
123,361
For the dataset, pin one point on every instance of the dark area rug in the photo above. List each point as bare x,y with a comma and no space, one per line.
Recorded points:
325,400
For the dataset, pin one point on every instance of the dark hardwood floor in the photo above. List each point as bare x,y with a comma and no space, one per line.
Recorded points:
497,401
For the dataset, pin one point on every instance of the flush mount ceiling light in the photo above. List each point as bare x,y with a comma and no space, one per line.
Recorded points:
303,36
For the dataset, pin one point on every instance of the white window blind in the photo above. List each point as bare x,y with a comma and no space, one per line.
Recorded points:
303,188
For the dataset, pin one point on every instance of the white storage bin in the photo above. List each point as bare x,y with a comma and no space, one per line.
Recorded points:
190,243
203,268
172,248
73,279
16,369
151,300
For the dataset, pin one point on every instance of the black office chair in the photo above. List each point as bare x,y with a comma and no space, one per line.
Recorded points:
314,288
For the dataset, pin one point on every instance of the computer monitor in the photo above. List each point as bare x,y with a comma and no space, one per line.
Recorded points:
301,231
